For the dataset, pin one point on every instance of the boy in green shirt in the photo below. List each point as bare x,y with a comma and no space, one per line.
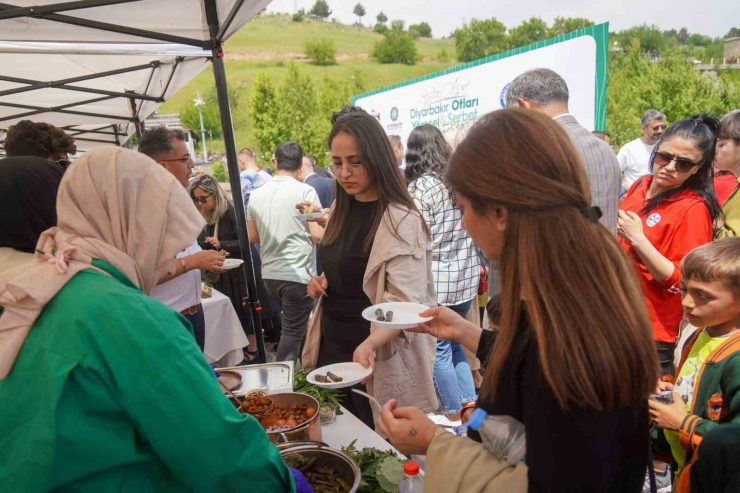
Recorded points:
707,384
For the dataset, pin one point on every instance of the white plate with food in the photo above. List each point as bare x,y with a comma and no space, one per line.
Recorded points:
310,216
232,263
396,315
339,375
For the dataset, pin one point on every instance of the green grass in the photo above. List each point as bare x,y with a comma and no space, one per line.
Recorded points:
267,43
279,34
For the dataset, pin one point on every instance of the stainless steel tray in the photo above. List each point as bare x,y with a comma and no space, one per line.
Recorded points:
273,378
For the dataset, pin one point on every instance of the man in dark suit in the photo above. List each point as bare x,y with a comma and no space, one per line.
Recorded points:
545,91
318,169
325,187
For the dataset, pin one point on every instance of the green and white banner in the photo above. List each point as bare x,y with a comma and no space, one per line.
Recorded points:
453,99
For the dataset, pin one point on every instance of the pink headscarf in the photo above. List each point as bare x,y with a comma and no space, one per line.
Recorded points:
114,205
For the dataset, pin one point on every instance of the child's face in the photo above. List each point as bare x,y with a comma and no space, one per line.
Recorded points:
708,304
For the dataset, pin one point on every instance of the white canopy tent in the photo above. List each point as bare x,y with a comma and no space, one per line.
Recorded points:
98,67
104,89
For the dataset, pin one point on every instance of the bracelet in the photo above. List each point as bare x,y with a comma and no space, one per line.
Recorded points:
184,267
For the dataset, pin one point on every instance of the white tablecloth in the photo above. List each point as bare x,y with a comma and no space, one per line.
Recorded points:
225,337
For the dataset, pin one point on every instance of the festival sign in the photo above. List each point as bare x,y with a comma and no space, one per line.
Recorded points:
453,99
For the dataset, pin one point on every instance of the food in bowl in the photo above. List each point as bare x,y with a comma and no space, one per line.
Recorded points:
323,479
257,403
280,419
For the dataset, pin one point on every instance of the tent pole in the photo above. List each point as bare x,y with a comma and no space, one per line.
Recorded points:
227,128
137,123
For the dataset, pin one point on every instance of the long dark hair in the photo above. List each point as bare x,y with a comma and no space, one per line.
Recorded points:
702,130
569,274
376,155
427,153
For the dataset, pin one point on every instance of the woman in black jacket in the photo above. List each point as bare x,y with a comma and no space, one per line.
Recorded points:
220,233
572,357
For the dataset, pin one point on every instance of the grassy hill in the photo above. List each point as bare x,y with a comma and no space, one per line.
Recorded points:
268,42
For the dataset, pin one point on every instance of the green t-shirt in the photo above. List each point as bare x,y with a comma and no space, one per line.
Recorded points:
685,383
110,393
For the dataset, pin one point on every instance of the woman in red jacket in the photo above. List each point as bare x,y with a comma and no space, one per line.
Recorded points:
665,216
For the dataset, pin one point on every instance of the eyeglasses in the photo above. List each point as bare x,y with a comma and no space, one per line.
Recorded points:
64,163
664,159
202,200
185,159
353,168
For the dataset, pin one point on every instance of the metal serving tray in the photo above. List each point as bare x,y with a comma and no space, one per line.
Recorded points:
273,378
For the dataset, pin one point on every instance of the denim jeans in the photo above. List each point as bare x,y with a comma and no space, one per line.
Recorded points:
198,322
452,376
296,306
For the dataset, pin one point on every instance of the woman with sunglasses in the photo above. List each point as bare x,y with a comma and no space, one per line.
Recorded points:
220,234
728,159
375,249
665,216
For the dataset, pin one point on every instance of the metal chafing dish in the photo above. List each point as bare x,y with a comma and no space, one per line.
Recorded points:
272,378
342,464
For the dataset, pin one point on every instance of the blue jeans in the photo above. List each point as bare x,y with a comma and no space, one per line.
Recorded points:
452,376
198,322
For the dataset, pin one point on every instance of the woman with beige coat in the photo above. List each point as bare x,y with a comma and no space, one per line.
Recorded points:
375,249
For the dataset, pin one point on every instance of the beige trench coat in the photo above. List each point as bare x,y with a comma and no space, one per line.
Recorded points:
397,270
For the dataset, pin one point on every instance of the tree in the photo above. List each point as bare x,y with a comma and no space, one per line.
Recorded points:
190,117
220,173
699,40
414,32
480,39
397,25
528,32
424,30
321,51
683,36
380,28
382,18
298,16
650,37
395,47
264,113
320,9
565,25
359,12
733,33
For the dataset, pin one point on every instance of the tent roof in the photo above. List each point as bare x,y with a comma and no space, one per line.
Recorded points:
84,65
49,82
123,21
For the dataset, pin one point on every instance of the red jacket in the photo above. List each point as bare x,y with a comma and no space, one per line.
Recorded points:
678,225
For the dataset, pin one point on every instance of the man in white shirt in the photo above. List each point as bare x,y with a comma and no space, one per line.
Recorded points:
286,245
634,157
182,290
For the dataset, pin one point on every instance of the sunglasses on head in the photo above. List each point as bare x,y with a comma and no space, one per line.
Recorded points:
682,165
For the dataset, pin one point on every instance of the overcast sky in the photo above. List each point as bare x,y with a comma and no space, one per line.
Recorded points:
711,17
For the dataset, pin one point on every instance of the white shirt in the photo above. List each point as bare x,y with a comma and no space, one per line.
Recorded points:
285,242
455,262
183,291
634,160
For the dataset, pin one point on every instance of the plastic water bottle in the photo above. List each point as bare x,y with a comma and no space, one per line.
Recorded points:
412,483
503,436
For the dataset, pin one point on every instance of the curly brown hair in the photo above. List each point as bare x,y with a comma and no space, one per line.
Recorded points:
27,138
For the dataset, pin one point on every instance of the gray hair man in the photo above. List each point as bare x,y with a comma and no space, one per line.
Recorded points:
397,145
181,289
634,156
545,91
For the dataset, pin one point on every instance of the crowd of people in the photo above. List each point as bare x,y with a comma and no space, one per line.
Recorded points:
610,331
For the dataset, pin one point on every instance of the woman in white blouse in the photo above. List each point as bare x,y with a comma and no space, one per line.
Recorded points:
455,264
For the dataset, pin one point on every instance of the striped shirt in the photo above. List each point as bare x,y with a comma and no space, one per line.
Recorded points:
455,263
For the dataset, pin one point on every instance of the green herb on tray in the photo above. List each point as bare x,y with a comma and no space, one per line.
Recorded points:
301,385
381,471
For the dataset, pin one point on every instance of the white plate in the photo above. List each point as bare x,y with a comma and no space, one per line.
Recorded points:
311,216
232,263
351,373
405,315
